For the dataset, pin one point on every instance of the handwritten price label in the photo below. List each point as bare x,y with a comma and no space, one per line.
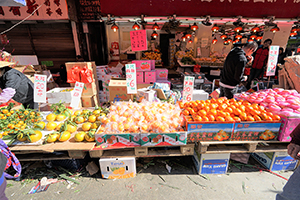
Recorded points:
76,94
40,86
188,88
272,61
131,78
138,40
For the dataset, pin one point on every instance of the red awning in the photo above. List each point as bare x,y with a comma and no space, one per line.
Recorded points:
198,8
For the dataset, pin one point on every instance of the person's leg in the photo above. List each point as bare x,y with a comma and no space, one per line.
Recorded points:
2,190
251,77
221,92
291,189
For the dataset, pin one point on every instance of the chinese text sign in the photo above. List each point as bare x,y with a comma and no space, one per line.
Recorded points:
40,86
188,87
76,94
272,61
131,78
138,40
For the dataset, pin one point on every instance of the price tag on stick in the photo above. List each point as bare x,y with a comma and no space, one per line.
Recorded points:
272,61
76,94
131,78
188,87
40,86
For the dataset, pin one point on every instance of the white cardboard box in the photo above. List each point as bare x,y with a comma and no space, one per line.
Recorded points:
118,168
200,95
55,95
146,94
276,161
211,163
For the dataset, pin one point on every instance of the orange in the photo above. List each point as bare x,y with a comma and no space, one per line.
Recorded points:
205,119
242,108
185,112
211,118
206,108
221,114
212,112
202,112
222,106
237,111
228,109
276,117
122,170
243,116
213,106
237,119
269,118
263,116
197,118
250,118
257,118
220,119
229,119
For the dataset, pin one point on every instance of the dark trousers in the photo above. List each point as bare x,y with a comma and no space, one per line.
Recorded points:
254,73
30,105
2,190
226,92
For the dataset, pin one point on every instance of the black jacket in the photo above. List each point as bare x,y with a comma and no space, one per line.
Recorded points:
12,78
233,69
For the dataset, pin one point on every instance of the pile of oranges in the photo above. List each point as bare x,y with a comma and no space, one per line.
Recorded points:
223,109
132,117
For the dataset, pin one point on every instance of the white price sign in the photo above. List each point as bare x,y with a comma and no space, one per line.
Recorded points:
272,61
40,86
131,78
76,94
188,87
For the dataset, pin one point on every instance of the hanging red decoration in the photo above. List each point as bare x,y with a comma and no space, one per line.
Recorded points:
194,27
114,27
155,27
154,34
238,29
214,41
275,29
253,37
229,40
183,38
188,35
250,40
215,28
258,38
223,37
255,29
190,41
135,26
293,34
238,37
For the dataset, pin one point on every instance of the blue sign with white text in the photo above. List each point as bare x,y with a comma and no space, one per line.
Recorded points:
284,163
218,166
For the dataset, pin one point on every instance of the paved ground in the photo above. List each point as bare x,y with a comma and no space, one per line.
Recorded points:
155,182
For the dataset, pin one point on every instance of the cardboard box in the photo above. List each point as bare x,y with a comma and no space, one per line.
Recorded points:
143,65
161,74
89,101
275,161
146,94
89,89
164,81
117,168
209,131
211,163
140,77
118,140
255,131
199,95
163,139
286,128
55,95
150,77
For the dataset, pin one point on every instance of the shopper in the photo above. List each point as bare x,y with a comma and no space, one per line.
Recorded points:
232,72
259,62
15,85
291,189
3,161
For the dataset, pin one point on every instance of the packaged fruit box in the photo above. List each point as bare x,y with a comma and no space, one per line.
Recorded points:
163,139
118,140
209,131
260,130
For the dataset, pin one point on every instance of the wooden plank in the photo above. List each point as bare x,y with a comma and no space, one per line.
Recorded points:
188,149
141,151
251,146
96,153
38,157
77,154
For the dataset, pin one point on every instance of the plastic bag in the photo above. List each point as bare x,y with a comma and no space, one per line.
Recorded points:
86,75
73,74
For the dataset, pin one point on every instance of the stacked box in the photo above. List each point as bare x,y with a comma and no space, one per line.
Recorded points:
164,81
145,71
286,128
163,139
255,131
211,163
117,168
161,74
105,78
209,131
172,50
101,70
276,161
55,95
118,140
